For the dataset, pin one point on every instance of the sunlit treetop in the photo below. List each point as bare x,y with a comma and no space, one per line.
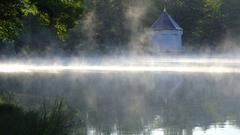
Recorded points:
59,14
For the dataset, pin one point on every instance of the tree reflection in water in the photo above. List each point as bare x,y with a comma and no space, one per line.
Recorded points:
136,103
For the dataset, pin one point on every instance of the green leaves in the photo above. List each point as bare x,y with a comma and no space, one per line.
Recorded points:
10,24
61,29
214,4
29,8
61,15
10,30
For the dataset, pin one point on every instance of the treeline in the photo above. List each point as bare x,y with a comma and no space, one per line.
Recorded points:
100,26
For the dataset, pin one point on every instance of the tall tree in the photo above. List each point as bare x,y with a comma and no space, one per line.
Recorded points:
10,23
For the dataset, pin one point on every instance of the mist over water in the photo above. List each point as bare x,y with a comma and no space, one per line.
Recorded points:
175,64
95,56
130,92
134,95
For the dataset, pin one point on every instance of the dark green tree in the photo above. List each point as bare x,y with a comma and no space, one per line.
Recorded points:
61,15
10,23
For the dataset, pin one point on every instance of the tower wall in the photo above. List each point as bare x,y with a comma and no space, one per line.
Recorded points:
166,40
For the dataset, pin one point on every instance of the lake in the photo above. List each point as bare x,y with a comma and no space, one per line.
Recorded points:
137,103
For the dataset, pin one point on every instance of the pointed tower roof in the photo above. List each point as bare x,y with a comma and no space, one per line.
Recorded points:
165,22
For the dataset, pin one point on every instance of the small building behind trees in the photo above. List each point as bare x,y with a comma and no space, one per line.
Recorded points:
165,34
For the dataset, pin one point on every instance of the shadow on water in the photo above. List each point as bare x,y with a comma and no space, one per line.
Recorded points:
136,103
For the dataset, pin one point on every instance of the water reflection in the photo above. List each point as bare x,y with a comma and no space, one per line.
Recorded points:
167,104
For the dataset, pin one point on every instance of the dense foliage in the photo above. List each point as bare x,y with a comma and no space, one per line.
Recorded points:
79,25
60,14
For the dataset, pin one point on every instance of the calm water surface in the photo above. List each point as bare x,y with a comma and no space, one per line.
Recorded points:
138,103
